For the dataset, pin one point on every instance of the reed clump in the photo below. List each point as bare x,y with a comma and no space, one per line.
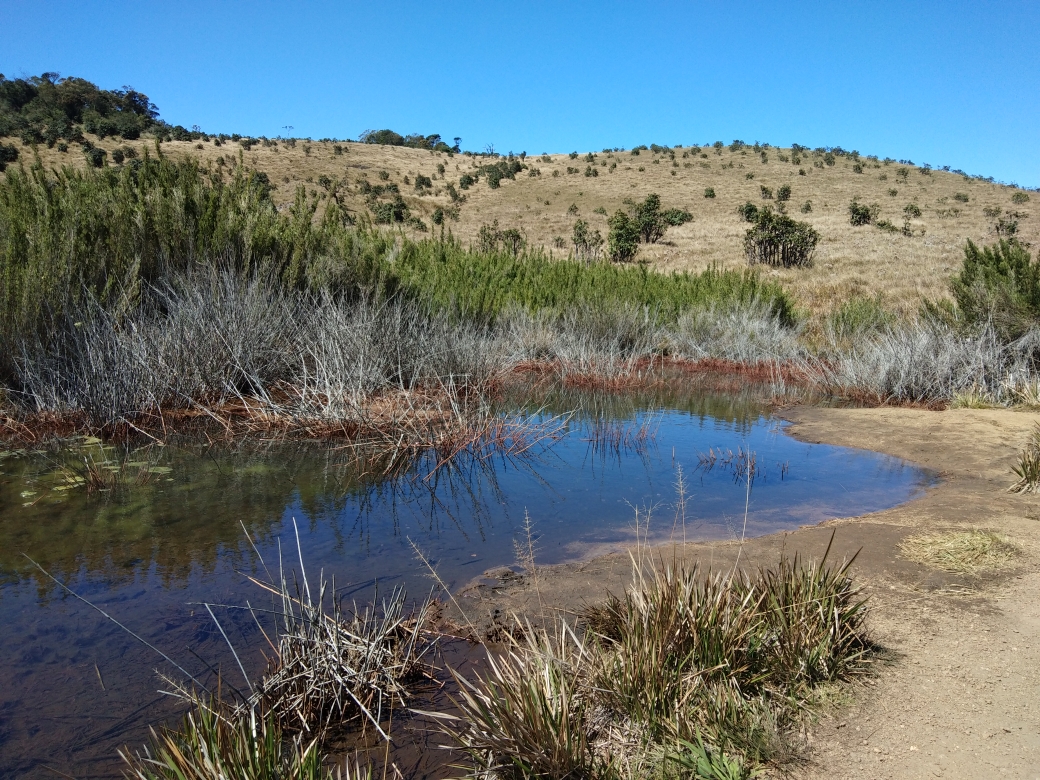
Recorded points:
216,741
683,668
1028,467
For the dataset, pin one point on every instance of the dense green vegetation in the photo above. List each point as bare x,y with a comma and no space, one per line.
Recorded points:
999,285
47,108
414,141
111,232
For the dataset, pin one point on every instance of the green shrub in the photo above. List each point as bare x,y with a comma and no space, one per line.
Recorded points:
95,156
437,217
588,243
676,217
999,284
778,240
1020,197
423,182
767,192
648,218
806,207
862,214
748,212
961,197
622,237
709,192
783,193
466,181
391,212
856,316
912,210
829,159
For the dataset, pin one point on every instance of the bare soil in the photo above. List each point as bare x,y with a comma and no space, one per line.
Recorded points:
958,695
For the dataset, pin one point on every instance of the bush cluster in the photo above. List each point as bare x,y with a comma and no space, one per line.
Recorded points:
778,240
415,141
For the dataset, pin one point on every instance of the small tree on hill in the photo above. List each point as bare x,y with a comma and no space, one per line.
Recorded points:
778,240
622,237
649,220
588,243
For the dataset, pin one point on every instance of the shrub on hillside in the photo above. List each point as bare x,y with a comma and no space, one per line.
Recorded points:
778,240
709,192
862,214
748,212
622,237
1000,285
588,243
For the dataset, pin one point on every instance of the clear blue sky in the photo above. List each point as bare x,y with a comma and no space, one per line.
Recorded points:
946,83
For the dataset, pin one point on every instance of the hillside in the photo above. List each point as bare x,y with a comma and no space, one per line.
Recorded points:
544,201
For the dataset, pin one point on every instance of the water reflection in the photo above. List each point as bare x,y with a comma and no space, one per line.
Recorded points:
75,688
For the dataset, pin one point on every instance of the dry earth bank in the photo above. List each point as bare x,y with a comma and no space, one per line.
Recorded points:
959,696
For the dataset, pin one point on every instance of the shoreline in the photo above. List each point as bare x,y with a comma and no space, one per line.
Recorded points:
942,703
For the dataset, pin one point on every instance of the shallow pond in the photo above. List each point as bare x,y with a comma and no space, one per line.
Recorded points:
172,534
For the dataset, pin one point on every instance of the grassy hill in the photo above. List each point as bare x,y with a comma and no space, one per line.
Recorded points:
543,202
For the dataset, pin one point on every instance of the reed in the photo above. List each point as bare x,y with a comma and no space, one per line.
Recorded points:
685,669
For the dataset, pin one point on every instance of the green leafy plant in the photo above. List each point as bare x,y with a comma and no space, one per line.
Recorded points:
622,237
863,214
1020,197
783,193
999,284
709,192
778,240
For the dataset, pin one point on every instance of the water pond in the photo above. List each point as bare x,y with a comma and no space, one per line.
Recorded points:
74,687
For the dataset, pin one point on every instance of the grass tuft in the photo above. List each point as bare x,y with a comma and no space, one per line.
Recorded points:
961,552
698,672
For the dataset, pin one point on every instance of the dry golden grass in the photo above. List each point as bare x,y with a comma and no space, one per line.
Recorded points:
849,260
963,552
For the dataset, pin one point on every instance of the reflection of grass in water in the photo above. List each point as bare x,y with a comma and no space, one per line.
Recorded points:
962,552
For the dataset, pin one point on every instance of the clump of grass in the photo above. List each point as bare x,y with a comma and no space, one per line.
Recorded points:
331,670
962,552
703,671
1028,468
974,397
217,742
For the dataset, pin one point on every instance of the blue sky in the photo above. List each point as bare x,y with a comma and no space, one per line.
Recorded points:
945,83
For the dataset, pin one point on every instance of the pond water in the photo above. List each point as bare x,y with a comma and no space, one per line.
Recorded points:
74,687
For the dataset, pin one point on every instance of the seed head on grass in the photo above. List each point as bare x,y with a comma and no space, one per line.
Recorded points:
961,552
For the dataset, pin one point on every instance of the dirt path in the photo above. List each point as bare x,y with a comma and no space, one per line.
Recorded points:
961,696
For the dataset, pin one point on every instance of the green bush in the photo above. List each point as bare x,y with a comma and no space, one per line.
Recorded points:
961,197
748,212
806,207
778,240
709,192
95,156
767,192
999,284
862,214
648,218
622,237
676,217
783,193
588,243
1020,197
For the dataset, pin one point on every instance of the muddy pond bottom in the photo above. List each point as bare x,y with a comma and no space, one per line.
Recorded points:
74,688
